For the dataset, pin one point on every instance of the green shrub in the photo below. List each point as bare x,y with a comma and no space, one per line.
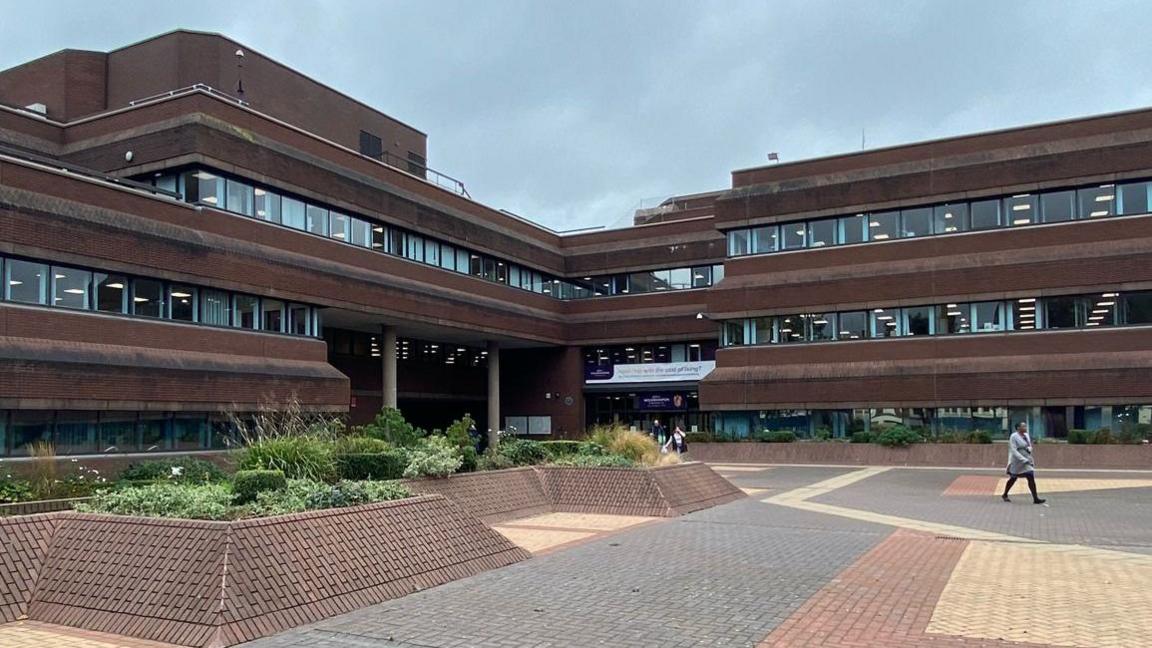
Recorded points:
14,490
391,426
522,452
299,457
434,457
700,437
305,495
823,434
389,464
861,436
195,502
557,449
1078,437
469,459
1103,436
247,483
980,436
594,461
616,439
897,436
777,436
492,459
179,470
359,445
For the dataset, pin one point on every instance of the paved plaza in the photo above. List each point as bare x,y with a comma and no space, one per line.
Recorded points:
815,556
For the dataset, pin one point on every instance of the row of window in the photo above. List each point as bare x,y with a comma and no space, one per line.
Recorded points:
998,421
84,432
230,194
1099,201
343,342
650,353
1025,314
36,282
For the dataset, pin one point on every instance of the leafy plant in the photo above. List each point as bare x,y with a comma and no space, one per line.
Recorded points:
522,452
861,436
595,461
177,469
304,495
700,437
389,464
492,459
391,426
434,457
43,479
196,502
246,484
980,436
636,446
15,490
359,445
1078,437
1103,436
823,434
299,457
897,436
560,448
776,436
279,420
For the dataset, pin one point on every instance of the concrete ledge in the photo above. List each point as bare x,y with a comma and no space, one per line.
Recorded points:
988,455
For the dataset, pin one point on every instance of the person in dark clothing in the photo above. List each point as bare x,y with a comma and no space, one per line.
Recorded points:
658,432
1020,462
479,441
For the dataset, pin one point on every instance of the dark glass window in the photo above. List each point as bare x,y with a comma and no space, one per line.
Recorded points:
273,318
1063,312
246,312
989,316
918,320
294,213
182,303
950,218
396,242
853,325
821,326
1096,202
701,276
854,229
267,205
29,426
204,187
917,222
147,298
883,226
71,287
1021,210
111,292
790,328
886,322
792,236
298,319
75,432
1134,198
953,318
379,238
762,330
765,239
733,333
822,233
1137,307
371,145
117,432
26,282
1099,311
239,198
154,431
190,432
489,268
1058,206
215,308
985,214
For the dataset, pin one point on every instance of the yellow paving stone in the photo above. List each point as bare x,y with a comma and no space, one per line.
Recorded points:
581,521
1063,595
29,634
754,491
537,540
727,468
1069,485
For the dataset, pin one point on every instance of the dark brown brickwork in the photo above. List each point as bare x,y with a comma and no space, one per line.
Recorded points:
693,486
491,496
23,544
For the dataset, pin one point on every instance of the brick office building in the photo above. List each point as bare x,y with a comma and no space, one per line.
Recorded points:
184,231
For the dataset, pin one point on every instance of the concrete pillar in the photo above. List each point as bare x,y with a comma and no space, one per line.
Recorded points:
388,358
493,393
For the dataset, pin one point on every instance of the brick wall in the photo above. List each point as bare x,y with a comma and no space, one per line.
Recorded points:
23,544
492,496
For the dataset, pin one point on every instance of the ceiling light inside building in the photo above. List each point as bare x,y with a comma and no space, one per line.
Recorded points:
1023,207
1105,197
880,237
74,291
181,294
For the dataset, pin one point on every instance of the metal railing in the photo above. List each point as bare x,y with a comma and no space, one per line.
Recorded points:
198,87
442,180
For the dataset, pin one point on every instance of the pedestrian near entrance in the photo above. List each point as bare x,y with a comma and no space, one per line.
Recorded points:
659,432
1021,463
677,441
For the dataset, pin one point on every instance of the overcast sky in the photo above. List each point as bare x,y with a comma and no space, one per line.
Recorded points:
573,114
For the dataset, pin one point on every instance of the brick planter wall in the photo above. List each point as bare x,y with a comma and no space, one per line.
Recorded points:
615,491
993,455
23,544
492,496
693,486
39,506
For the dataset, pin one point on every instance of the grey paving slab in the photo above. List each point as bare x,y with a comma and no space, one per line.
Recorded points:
721,577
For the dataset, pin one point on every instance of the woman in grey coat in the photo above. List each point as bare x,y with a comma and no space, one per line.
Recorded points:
1020,462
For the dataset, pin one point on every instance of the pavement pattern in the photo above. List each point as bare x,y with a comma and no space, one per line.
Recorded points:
845,557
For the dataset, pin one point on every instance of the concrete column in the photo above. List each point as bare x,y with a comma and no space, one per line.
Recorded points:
388,358
493,393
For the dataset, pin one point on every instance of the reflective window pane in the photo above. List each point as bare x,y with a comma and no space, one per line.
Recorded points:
273,315
822,233
215,308
765,239
886,322
502,272
111,292
680,278
1024,314
379,238
1097,202
432,253
299,319
953,318
266,205
316,220
916,222
790,328
821,326
852,325
26,282
918,320
448,259
732,333
989,316
761,330
738,243
985,214
1134,198
239,198
147,298
182,303
464,264
853,229
948,219
414,248
701,276
117,432
1137,307
204,187
793,236
1021,210
338,226
361,232
883,226
1058,206
71,287
246,312
293,212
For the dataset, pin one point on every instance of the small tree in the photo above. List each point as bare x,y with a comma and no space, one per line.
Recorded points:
391,426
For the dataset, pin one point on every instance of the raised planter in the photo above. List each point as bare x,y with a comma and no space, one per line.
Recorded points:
39,506
987,455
